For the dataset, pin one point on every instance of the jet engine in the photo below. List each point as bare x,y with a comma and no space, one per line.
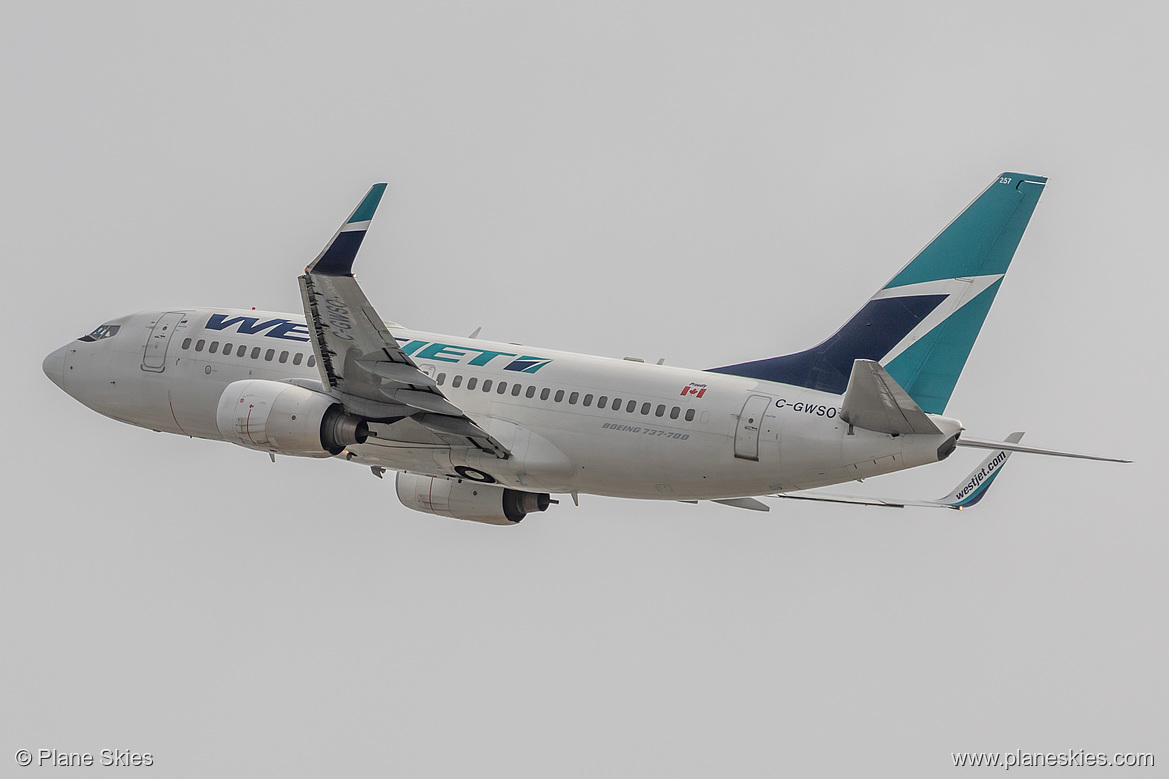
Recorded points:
466,499
275,417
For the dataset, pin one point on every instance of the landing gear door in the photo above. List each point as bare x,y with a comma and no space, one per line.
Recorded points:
750,422
154,357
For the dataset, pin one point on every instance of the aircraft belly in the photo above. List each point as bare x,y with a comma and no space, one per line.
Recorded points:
655,467
429,460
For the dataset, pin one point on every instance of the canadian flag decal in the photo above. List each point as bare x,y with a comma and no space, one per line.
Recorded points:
697,390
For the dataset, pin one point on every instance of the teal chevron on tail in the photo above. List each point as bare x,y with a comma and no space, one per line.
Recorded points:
922,325
974,252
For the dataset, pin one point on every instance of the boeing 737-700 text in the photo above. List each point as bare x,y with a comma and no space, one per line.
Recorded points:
491,431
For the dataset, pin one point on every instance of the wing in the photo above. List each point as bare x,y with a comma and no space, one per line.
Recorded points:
969,491
360,362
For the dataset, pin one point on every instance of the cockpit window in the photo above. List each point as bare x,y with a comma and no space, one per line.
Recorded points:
105,331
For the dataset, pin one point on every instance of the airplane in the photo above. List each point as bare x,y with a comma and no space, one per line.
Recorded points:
490,431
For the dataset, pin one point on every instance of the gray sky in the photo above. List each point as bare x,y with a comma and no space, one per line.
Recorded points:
705,182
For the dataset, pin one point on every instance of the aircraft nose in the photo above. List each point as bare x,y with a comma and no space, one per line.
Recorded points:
54,366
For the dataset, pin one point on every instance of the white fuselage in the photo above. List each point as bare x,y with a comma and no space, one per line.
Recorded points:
574,423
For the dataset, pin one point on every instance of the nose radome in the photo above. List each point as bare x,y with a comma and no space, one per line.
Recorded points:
54,366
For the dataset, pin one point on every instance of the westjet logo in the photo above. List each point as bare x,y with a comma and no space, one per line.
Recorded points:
419,350
251,325
429,350
981,476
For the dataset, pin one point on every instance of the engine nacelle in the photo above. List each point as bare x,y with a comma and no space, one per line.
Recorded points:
465,499
275,417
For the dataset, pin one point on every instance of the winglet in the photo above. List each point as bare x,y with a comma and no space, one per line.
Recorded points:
336,259
973,488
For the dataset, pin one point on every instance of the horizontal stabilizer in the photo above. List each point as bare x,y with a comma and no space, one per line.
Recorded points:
973,488
974,443
969,491
745,503
874,401
854,500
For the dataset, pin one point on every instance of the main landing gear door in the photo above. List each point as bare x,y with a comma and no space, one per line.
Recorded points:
750,421
154,357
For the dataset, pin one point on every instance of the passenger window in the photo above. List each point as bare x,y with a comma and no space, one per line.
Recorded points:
312,360
227,350
255,353
544,393
602,401
531,393
268,355
645,407
297,358
573,398
213,348
502,388
516,389
241,351
631,406
660,411
588,400
559,396
440,379
689,415
471,382
487,385
457,381
199,345
616,404
674,412
187,343
284,357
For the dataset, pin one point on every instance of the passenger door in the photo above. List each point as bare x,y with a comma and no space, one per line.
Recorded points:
154,356
747,431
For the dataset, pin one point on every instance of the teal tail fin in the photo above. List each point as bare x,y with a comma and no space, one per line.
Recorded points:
922,325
